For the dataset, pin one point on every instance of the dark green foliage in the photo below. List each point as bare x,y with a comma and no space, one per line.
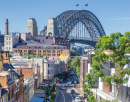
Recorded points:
73,53
48,91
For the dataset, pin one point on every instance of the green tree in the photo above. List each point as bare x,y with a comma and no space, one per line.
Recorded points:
73,53
54,87
51,100
53,95
116,45
25,56
48,91
75,64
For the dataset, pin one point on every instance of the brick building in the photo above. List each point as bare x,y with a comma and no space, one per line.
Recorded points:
3,94
40,49
10,80
83,69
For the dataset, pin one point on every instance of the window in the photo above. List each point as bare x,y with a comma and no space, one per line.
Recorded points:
53,54
7,38
26,47
58,51
39,47
50,71
63,47
58,48
44,51
19,46
6,43
34,50
45,47
48,47
53,51
9,43
39,51
35,47
49,54
29,47
49,51
48,65
54,47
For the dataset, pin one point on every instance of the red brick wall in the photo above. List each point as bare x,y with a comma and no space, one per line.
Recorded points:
27,72
106,88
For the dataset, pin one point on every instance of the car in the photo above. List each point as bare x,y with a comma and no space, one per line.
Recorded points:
76,95
68,79
62,87
60,80
73,91
77,99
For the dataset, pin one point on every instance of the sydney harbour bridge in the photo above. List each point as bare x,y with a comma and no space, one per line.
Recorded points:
80,26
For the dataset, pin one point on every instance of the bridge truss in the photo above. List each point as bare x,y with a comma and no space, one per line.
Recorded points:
79,25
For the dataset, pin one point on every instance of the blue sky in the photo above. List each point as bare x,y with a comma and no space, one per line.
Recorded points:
114,15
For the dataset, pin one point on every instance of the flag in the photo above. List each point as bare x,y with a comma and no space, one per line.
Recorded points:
77,5
86,4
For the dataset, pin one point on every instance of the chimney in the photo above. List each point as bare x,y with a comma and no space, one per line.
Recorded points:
6,27
20,71
1,62
6,57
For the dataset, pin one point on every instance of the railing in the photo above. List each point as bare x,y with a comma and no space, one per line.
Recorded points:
82,38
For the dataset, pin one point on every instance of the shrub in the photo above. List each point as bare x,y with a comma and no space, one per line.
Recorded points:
51,100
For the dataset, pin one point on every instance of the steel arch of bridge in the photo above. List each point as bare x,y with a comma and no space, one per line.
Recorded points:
67,20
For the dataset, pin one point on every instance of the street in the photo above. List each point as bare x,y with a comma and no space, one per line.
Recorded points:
65,95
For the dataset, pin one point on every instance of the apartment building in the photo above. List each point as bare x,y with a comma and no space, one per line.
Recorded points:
3,94
10,80
83,69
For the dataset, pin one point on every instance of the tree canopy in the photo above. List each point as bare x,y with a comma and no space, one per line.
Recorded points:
73,53
111,48
75,64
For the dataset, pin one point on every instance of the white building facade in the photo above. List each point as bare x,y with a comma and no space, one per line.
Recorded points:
10,41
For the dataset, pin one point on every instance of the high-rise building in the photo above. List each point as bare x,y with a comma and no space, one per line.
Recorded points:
32,27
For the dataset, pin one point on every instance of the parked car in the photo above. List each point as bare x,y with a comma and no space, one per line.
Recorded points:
60,80
77,99
76,95
68,79
73,91
62,87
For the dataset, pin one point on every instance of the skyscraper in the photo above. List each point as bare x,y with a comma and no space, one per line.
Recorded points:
32,27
